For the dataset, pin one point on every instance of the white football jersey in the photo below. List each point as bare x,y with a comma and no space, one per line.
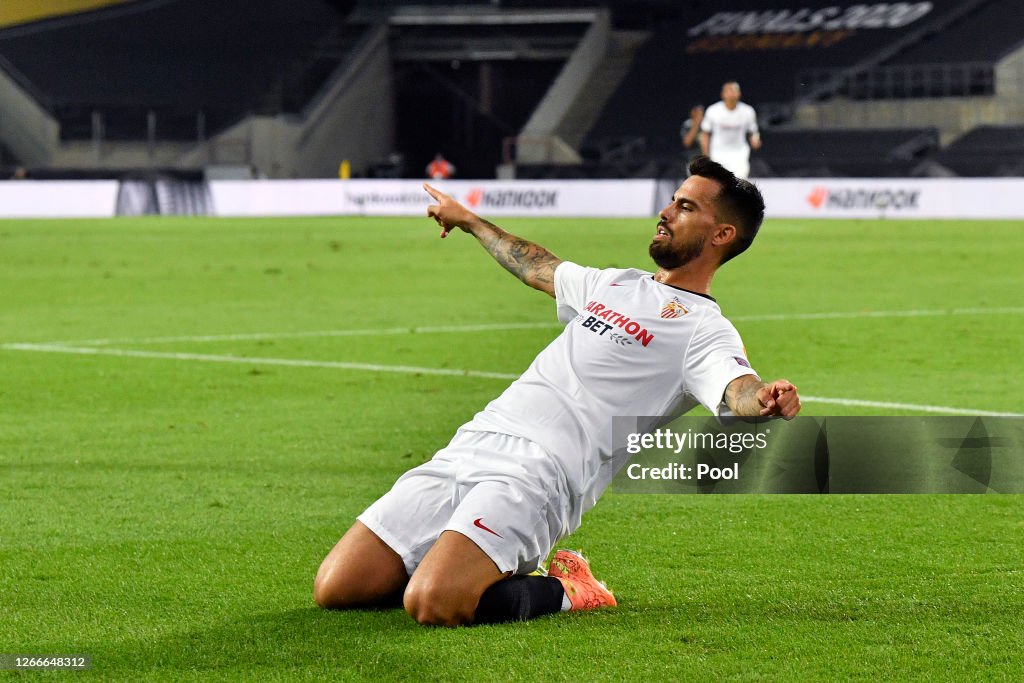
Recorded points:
631,347
729,127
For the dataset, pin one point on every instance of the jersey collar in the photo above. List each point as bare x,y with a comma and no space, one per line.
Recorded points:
688,291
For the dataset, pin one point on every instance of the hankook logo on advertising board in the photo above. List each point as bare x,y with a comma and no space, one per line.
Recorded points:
512,199
864,198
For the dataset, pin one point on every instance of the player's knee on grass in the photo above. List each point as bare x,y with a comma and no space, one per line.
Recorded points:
432,603
360,571
336,588
329,588
327,593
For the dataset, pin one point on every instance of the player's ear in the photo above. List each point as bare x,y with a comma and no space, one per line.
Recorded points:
724,234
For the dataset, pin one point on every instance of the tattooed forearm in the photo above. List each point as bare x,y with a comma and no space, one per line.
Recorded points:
741,395
531,263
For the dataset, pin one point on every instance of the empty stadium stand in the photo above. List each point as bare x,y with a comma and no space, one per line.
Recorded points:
688,59
786,153
476,79
458,79
193,66
901,81
948,49
984,34
851,153
986,151
956,61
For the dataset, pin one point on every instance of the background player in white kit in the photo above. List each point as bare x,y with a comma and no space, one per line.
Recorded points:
455,538
729,131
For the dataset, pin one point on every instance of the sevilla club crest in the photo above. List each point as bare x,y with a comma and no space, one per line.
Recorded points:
674,309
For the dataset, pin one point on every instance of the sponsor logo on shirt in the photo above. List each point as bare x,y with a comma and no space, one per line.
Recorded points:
604,320
674,309
741,361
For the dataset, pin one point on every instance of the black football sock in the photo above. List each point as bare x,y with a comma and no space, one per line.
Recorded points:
519,598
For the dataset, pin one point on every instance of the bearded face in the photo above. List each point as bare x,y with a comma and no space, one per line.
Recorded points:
670,253
686,225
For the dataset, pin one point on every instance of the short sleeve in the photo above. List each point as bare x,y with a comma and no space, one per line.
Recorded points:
752,125
714,358
575,284
705,123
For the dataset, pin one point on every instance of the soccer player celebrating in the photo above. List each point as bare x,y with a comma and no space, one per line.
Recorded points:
729,131
457,538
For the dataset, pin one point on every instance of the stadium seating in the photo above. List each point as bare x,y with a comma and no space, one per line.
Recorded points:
986,151
850,153
241,57
958,61
675,70
951,52
786,153
134,78
135,81
983,35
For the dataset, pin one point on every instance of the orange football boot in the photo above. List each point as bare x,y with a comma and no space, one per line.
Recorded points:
584,591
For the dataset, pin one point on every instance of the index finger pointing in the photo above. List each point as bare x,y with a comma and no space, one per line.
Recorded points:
433,192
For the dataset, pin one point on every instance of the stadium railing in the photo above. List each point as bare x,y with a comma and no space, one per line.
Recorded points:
901,81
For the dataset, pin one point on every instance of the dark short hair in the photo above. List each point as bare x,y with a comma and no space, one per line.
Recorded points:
739,201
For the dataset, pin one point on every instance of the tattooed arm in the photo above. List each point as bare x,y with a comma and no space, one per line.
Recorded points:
531,263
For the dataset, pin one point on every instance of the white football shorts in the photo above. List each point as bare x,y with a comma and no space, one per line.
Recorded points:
505,493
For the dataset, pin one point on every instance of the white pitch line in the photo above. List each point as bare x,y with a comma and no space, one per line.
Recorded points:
907,406
448,372
920,313
290,362
497,327
257,336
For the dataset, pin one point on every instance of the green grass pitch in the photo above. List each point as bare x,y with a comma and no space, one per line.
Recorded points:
164,503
